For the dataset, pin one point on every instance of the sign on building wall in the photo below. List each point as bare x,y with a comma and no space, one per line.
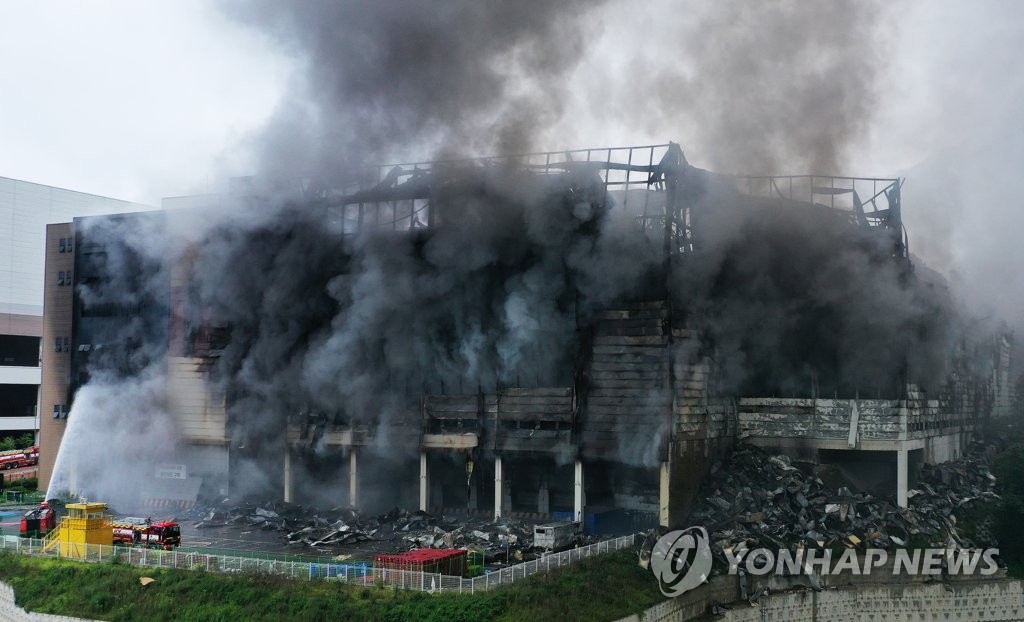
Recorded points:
171,471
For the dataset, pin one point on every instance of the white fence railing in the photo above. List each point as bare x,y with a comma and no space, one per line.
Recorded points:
359,573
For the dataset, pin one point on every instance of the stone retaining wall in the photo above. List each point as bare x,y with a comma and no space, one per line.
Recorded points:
995,600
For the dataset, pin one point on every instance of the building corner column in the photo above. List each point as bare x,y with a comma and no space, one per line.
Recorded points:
287,474
664,488
498,498
424,482
353,479
902,456
578,491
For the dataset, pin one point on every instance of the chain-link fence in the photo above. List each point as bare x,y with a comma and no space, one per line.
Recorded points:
360,573
430,582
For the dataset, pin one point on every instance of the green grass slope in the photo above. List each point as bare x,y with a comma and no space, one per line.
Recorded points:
604,588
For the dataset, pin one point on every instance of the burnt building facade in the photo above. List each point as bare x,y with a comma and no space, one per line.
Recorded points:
553,334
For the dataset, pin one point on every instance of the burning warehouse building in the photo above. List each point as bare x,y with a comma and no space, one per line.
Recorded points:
554,333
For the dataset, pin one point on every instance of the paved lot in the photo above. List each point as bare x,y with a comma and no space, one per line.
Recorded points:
10,520
240,541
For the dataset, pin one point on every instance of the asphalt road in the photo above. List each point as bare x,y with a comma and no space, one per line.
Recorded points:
10,520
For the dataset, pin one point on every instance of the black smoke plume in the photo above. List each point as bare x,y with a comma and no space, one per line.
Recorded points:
310,324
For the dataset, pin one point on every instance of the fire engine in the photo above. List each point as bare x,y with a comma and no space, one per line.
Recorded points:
39,521
146,532
17,458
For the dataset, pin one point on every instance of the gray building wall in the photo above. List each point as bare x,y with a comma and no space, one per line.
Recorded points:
25,210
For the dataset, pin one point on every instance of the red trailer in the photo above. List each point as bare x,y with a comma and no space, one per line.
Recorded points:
39,521
439,561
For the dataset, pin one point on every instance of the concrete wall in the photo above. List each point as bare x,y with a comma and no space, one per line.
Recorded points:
704,427
1004,392
946,447
819,419
199,411
691,605
997,600
983,601
937,426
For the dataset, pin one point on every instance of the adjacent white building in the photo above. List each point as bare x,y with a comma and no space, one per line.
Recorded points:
25,210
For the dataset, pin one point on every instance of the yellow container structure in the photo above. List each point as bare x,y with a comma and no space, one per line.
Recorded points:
85,525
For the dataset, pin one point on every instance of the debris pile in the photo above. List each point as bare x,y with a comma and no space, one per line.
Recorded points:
755,499
502,541
305,524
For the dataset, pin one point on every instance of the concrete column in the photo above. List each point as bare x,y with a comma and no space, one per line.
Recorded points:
424,482
543,498
578,491
901,477
473,503
353,479
470,486
497,488
663,495
287,474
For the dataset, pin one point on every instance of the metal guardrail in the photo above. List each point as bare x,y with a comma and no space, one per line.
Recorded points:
360,573
21,497
271,556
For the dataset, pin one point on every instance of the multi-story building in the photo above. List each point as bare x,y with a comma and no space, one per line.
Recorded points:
782,311
25,211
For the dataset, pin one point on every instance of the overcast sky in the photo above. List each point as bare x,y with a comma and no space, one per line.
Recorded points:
140,99
130,99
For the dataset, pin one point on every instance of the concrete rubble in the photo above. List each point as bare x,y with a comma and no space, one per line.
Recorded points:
754,499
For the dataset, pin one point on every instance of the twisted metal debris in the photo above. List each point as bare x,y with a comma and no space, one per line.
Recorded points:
755,499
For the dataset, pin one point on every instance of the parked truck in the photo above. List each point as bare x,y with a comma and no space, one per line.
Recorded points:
557,536
17,458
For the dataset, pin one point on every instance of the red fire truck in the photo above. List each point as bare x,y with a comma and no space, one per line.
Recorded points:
147,532
17,458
